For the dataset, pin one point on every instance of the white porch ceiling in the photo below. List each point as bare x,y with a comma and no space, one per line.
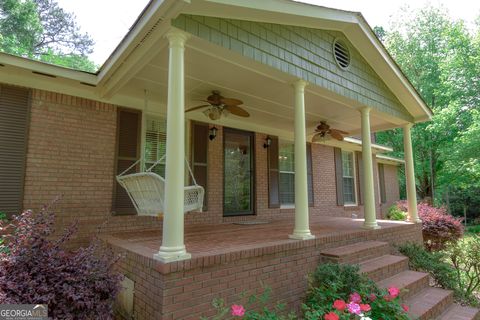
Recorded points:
267,93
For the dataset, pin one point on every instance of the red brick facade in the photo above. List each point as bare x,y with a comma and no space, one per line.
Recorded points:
71,153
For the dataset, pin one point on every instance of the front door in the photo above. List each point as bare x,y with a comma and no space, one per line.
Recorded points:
238,186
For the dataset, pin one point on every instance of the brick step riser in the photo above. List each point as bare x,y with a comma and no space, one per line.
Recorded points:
387,271
438,309
412,288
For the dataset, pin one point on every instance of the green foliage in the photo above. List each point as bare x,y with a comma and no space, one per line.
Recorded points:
441,59
432,262
464,255
332,282
255,308
473,229
394,213
42,30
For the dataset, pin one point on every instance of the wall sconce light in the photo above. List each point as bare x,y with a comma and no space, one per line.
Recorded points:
212,133
268,142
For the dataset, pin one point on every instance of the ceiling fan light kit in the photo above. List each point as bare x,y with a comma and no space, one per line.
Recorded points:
324,132
219,106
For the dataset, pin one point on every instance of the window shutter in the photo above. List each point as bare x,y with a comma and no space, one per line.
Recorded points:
200,155
310,175
339,175
381,179
14,117
128,145
273,174
360,176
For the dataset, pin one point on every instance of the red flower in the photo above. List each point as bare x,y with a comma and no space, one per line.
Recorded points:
331,316
340,305
372,297
405,307
355,297
365,307
394,292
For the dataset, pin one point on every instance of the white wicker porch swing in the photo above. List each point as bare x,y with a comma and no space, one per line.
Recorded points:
147,191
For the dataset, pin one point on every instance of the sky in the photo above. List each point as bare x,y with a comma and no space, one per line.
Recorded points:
108,23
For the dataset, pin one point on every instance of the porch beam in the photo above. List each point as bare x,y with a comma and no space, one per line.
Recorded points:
302,227
367,162
410,175
173,247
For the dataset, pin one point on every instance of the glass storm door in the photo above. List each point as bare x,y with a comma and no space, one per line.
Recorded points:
238,173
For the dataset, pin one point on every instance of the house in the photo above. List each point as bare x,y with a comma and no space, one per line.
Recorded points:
294,66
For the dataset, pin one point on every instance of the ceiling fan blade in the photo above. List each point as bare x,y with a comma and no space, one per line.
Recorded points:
336,135
323,126
197,107
230,101
236,110
339,131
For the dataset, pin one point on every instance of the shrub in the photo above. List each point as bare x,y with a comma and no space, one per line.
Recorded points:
438,227
431,262
37,270
473,229
394,213
465,257
337,291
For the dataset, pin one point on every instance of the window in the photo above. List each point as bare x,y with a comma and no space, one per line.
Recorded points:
155,143
286,164
348,166
238,197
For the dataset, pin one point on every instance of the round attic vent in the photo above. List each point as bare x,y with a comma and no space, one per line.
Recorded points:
341,53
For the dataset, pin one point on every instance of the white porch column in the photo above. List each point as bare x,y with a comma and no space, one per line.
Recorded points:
302,227
173,247
367,187
410,175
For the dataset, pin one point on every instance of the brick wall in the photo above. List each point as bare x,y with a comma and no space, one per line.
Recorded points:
392,187
186,289
71,150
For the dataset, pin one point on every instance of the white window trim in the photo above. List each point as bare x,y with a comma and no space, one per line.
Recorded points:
286,205
353,204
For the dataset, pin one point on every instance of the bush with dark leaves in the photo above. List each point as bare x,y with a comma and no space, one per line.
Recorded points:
36,269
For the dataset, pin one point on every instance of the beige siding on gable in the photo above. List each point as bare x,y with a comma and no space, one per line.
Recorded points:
302,52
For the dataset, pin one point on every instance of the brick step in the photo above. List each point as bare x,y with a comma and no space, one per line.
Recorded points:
384,267
458,312
356,253
429,303
412,281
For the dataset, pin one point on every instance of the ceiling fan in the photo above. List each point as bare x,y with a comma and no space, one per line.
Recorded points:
323,130
218,106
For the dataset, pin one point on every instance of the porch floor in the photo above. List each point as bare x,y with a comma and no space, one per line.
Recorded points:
216,239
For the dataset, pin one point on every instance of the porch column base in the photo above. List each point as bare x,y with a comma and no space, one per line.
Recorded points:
301,235
371,226
171,254
413,220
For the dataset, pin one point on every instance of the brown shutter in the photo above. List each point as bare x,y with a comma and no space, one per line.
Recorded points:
381,179
273,174
200,156
310,175
360,176
339,175
14,118
128,152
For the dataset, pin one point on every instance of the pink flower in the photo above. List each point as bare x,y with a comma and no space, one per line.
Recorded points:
372,297
340,305
355,297
238,310
388,298
405,307
354,308
331,316
365,307
394,292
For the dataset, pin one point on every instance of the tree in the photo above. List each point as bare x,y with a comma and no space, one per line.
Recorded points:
42,30
441,59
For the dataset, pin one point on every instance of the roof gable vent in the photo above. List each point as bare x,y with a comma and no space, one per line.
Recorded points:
341,53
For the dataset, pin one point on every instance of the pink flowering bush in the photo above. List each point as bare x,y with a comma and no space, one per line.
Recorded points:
339,292
36,269
438,227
